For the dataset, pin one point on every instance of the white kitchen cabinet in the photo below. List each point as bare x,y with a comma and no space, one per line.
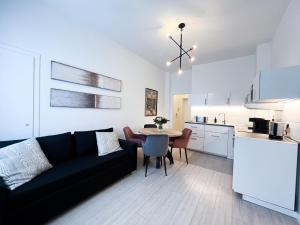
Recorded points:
196,141
198,99
212,139
264,171
216,143
217,98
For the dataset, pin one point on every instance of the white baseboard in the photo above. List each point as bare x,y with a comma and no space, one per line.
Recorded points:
273,207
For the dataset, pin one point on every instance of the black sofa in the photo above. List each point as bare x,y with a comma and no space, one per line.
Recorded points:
77,173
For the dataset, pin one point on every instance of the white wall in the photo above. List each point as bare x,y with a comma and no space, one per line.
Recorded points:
286,41
181,83
37,28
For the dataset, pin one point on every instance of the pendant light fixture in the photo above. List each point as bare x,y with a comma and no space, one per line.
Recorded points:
182,51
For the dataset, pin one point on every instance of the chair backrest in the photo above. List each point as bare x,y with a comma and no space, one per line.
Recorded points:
128,133
183,140
150,126
156,145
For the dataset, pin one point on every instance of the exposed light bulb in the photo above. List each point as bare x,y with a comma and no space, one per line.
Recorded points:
192,59
180,71
194,46
168,63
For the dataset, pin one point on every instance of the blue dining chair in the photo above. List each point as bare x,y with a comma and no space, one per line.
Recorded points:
156,146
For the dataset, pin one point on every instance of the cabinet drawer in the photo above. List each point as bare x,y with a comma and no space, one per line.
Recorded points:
196,143
216,129
197,129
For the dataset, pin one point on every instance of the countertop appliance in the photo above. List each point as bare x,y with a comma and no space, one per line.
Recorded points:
276,130
201,119
260,125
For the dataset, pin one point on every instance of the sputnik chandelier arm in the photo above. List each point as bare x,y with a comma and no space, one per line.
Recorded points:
182,51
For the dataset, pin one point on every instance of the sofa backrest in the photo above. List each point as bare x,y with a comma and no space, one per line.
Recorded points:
62,147
86,142
57,148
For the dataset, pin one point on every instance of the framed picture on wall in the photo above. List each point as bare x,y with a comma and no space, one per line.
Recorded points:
151,97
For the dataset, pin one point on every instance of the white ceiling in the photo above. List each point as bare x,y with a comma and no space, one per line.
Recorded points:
221,29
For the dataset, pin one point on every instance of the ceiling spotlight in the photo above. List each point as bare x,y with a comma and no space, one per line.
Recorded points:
168,63
180,71
192,59
194,46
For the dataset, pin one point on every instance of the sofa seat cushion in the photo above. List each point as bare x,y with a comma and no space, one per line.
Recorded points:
64,175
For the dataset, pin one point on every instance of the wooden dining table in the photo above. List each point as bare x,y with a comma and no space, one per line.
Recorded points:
156,131
172,133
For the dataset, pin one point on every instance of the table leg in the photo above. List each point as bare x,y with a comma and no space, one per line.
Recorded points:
157,162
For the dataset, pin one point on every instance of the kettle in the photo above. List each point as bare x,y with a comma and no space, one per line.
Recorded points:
276,130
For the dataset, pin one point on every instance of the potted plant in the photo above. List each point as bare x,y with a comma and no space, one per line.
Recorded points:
159,120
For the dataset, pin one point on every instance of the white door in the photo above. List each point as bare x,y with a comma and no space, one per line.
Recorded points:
16,94
216,143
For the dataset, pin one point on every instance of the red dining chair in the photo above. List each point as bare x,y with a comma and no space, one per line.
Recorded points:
182,142
136,138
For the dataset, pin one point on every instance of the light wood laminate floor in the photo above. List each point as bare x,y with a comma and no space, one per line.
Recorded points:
196,194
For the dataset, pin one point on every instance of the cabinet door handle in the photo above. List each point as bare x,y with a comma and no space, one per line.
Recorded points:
193,138
215,136
193,127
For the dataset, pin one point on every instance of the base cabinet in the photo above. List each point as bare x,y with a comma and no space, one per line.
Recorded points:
211,139
216,143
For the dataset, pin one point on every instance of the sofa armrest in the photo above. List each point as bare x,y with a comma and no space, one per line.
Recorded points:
131,147
3,200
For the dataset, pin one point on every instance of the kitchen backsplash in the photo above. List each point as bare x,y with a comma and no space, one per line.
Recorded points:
239,115
291,115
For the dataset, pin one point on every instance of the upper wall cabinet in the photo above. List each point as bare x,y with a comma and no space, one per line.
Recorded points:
278,84
224,82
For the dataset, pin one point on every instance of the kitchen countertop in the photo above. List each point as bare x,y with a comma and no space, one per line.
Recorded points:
263,137
213,124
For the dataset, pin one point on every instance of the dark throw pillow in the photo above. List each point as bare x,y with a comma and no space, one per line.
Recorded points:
57,148
86,143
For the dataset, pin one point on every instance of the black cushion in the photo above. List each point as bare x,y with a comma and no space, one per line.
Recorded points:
86,143
64,175
57,148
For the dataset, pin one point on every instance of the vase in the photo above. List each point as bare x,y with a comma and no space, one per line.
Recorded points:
160,126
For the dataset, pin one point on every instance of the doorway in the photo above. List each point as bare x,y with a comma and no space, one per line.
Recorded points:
181,111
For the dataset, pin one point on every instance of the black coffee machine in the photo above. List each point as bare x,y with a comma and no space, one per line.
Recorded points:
260,125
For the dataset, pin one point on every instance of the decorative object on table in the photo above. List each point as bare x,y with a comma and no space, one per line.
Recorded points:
182,51
107,142
182,142
72,99
151,97
63,72
21,162
157,146
159,120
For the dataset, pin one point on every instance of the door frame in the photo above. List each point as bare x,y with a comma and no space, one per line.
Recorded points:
36,83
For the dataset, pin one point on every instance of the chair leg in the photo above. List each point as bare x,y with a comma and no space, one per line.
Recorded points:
171,150
161,161
187,162
165,165
180,152
146,161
